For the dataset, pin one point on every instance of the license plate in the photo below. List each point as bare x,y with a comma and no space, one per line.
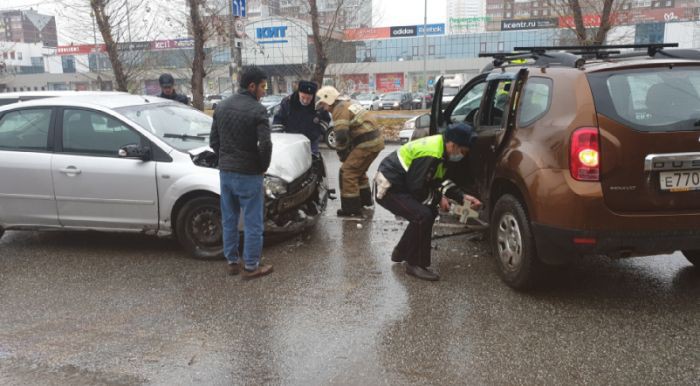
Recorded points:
680,181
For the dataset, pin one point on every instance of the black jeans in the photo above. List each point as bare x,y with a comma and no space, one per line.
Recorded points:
414,245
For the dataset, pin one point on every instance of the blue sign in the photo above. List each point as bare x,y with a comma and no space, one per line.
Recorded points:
277,33
430,82
238,8
432,29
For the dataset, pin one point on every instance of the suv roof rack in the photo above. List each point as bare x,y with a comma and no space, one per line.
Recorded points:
612,51
576,56
541,59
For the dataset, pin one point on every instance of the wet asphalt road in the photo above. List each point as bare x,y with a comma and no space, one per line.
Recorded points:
91,308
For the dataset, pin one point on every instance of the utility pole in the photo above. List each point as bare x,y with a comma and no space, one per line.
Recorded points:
425,52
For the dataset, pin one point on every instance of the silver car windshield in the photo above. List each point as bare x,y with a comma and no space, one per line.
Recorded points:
182,127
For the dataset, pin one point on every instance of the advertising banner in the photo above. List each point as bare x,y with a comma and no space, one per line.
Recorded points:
393,32
404,31
366,33
523,24
354,82
81,49
390,82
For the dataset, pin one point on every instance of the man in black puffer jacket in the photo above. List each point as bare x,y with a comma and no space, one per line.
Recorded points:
240,137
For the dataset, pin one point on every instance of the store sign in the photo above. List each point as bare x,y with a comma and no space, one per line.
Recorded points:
81,49
393,32
366,33
404,31
172,44
277,33
467,24
432,29
514,25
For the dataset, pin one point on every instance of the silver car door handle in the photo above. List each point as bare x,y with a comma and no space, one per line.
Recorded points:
71,170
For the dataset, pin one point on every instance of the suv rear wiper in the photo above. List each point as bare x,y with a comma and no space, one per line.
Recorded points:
184,137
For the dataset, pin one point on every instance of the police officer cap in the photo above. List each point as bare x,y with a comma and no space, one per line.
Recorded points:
461,134
166,80
307,87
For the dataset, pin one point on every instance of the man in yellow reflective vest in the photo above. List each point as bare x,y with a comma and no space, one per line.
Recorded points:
358,140
410,183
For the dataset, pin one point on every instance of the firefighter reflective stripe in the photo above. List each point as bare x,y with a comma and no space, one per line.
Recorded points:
447,185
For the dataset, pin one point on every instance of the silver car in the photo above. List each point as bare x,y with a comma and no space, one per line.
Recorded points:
130,163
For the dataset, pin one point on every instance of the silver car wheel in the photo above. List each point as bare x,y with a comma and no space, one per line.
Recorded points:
330,140
510,242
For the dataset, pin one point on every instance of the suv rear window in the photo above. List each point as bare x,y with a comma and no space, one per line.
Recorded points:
650,99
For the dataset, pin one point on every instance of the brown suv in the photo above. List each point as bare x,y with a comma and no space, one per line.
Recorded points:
592,152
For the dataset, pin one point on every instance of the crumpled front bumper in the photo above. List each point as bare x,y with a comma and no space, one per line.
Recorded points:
298,211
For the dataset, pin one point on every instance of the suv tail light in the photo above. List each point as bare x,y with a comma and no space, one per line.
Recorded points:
584,160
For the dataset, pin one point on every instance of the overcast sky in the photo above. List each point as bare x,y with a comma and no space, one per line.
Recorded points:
408,12
386,13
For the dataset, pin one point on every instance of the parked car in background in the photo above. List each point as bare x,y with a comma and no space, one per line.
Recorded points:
419,98
141,164
25,96
368,101
414,128
582,153
210,101
271,100
397,100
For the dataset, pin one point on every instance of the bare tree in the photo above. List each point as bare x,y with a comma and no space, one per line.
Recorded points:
124,27
576,12
342,13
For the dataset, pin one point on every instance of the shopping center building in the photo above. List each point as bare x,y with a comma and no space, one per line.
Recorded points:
376,59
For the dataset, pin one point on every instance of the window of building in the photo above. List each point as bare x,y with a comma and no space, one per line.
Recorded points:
501,46
415,51
482,47
12,55
431,50
508,14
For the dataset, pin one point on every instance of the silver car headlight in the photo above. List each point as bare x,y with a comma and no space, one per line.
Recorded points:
409,125
274,186
396,104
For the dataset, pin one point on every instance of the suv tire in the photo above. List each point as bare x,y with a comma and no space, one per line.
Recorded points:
2,231
693,257
199,229
513,245
330,138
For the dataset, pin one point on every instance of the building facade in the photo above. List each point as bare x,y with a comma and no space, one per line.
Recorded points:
28,27
466,16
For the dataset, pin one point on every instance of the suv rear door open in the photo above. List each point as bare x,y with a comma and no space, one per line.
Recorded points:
649,120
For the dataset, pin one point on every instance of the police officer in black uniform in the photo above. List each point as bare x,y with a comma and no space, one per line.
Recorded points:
298,114
167,89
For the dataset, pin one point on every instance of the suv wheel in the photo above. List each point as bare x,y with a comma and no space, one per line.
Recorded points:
693,257
199,228
330,138
513,245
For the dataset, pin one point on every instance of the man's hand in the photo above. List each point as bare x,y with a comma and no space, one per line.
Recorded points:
475,203
444,204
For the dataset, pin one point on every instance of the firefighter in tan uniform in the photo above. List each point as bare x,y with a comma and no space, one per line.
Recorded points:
358,142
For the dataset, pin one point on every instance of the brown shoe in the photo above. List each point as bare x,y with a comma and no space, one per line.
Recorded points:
422,273
233,269
262,270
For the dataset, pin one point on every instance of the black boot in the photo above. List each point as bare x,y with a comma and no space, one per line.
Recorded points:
350,207
366,196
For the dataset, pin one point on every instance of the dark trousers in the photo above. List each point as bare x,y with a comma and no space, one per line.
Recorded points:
414,245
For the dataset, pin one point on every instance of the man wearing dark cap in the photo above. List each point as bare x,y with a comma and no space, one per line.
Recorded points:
297,114
167,89
410,183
